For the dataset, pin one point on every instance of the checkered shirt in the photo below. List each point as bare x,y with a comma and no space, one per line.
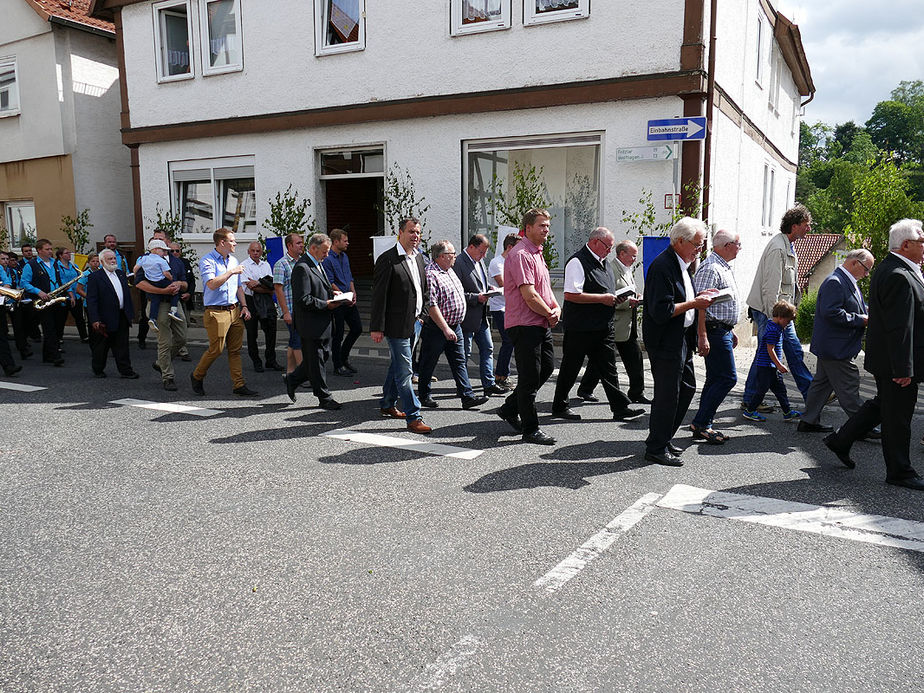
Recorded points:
446,293
716,273
282,274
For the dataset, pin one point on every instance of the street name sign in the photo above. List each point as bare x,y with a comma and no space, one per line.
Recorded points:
658,152
677,129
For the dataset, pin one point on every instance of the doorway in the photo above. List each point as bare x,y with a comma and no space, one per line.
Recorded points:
352,206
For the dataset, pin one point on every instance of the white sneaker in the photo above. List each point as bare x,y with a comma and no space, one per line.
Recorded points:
153,325
176,316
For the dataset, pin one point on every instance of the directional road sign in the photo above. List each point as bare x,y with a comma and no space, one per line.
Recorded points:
658,152
677,129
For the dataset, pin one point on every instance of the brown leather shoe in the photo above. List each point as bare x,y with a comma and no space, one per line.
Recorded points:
392,413
418,426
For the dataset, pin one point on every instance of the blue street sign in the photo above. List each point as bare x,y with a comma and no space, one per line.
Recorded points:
693,128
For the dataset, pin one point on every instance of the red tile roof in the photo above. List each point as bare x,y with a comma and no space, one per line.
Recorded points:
811,250
77,11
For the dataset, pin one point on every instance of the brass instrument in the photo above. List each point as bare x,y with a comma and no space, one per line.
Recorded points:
12,294
55,296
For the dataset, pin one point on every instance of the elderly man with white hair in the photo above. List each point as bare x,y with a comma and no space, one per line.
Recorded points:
840,320
110,310
669,333
716,333
894,355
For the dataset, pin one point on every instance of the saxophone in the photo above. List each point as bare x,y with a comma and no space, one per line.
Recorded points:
57,296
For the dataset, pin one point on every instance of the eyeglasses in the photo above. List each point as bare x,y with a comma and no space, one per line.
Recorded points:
698,247
868,269
734,243
449,254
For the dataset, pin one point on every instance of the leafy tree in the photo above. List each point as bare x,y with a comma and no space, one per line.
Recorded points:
845,133
909,92
400,201
171,223
897,127
527,192
77,229
289,214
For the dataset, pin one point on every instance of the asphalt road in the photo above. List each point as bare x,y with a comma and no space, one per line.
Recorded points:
158,551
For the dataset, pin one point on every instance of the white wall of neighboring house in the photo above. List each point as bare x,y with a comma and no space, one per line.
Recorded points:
409,52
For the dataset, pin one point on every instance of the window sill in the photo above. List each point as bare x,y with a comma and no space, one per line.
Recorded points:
337,50
174,78
222,70
479,29
10,114
539,21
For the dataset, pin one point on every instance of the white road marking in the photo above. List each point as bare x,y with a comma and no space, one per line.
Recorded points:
834,522
446,665
403,443
169,407
20,387
597,544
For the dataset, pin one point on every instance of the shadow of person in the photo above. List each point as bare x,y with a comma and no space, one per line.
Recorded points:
569,475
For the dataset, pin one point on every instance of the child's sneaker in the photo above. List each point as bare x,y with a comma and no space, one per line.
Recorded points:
792,415
153,325
753,416
175,315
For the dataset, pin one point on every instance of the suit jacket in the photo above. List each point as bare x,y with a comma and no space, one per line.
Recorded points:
839,311
625,316
393,299
310,293
469,274
663,333
103,301
895,338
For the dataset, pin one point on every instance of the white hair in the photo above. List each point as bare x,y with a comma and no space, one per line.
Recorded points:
723,236
904,230
106,251
600,232
686,229
859,254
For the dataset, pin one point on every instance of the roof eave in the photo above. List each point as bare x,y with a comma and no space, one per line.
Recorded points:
790,39
71,24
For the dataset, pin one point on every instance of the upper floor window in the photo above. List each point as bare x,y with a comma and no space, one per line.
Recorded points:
340,26
759,74
221,36
173,40
473,16
776,75
541,11
9,88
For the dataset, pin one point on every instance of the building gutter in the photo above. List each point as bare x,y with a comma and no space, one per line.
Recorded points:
710,103
70,24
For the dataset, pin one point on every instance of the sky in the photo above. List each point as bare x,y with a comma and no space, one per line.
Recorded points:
858,52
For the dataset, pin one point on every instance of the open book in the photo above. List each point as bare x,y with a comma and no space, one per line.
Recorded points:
723,295
344,297
492,292
626,290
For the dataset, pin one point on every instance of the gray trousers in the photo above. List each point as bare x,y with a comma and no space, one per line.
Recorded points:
840,376
171,337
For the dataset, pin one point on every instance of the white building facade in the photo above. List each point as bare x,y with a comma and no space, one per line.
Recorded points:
60,148
228,102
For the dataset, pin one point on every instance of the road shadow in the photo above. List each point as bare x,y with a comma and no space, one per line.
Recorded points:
568,475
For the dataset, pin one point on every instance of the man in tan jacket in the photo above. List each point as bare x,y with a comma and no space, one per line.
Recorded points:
776,281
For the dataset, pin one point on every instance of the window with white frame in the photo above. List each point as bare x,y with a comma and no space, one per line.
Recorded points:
542,11
365,162
173,40
212,193
763,206
20,222
220,28
9,87
776,73
766,213
568,168
474,16
759,75
340,26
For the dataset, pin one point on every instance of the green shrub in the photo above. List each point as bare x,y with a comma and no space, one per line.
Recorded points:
805,316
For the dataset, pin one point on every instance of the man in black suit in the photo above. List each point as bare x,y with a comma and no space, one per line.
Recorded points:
470,269
669,333
110,310
312,303
399,301
894,355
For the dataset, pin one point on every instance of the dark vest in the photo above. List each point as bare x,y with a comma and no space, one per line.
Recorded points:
40,278
587,317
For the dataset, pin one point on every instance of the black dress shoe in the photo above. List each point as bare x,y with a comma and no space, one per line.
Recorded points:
511,419
99,375
342,371
806,427
915,482
667,458
640,399
131,375
349,367
155,367
170,385
244,391
330,404
674,449
623,414
12,371
875,434
566,414
290,386
275,367
196,385
539,438
185,357
258,367
842,455
588,397
472,402
429,403
496,389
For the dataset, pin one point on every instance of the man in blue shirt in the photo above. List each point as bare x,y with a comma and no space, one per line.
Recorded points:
225,312
337,267
69,271
40,277
6,357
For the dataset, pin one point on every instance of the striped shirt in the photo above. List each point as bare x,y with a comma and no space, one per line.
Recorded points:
446,293
716,273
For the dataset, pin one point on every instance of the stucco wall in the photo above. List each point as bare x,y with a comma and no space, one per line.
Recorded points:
409,52
48,183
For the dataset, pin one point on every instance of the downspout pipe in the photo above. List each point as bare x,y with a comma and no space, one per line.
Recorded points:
710,103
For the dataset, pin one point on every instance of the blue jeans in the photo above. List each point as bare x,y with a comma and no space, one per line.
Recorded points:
792,350
433,343
720,375
502,365
482,337
769,378
398,379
